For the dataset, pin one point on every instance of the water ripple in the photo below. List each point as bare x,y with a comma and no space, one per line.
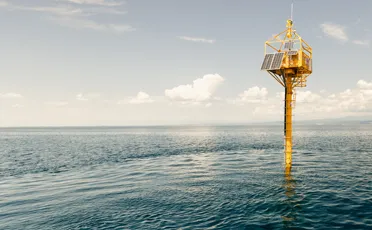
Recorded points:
185,178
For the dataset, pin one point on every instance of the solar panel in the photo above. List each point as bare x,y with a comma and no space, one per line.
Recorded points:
288,45
277,61
267,61
292,52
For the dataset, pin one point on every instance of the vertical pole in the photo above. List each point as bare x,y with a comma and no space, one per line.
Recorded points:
288,121
292,11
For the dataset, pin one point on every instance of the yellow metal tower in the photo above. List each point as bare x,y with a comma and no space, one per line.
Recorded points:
288,59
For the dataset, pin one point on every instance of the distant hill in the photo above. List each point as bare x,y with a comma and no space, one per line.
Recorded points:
339,120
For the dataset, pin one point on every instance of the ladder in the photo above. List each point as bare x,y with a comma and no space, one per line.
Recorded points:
294,99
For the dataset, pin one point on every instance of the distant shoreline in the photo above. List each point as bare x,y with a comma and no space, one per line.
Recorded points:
272,123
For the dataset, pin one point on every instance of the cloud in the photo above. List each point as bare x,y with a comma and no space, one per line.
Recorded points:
68,10
57,10
81,23
103,10
11,95
87,96
348,101
79,17
97,2
80,97
364,84
335,31
361,42
193,39
355,101
120,28
307,97
17,106
57,103
252,95
315,105
141,98
200,90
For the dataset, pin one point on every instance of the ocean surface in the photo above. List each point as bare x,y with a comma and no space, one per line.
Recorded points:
227,177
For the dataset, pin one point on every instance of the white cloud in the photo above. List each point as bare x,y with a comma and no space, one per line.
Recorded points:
335,31
57,10
80,97
345,94
57,103
103,10
11,95
141,98
201,90
17,106
364,85
306,97
252,95
347,102
355,101
98,2
78,17
316,105
87,96
67,10
120,28
362,42
193,39
82,23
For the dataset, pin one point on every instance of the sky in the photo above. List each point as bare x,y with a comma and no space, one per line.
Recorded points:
166,62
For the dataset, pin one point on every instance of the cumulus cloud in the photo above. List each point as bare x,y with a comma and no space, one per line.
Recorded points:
306,97
252,95
345,94
201,90
335,31
364,84
349,101
11,95
141,98
313,105
87,96
194,39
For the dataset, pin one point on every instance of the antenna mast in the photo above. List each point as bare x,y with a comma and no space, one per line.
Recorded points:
288,59
292,11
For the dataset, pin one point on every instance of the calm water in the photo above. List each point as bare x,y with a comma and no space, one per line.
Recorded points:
185,178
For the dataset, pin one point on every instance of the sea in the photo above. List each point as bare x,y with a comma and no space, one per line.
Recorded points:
185,177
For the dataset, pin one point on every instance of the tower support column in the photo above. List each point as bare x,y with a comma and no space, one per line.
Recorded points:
288,120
